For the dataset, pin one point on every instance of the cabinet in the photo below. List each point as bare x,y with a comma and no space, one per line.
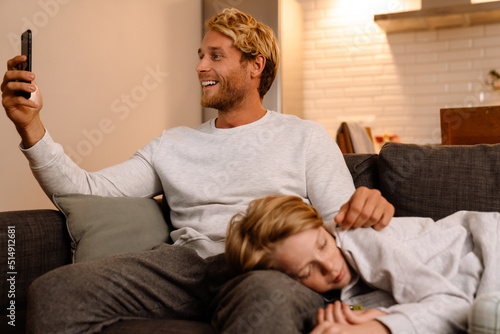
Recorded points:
470,126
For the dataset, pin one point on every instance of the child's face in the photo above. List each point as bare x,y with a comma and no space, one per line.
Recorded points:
313,258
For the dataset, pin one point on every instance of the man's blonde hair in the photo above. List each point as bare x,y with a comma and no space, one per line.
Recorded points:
252,38
254,236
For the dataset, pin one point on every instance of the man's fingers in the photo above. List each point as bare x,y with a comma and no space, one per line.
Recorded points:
12,64
355,215
14,86
383,211
358,210
13,102
350,214
386,217
14,76
365,208
339,218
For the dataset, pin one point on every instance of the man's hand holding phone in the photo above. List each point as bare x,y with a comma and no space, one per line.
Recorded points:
23,112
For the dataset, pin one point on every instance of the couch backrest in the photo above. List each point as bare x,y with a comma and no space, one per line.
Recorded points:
436,181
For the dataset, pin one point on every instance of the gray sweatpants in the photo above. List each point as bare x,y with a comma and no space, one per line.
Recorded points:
168,282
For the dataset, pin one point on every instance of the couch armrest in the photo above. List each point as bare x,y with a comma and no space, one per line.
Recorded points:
363,168
39,243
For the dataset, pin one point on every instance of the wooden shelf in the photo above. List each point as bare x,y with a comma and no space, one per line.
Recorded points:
441,17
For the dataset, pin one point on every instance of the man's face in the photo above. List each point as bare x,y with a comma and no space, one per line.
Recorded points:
313,258
224,79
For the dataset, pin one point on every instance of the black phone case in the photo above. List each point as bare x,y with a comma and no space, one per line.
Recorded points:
26,51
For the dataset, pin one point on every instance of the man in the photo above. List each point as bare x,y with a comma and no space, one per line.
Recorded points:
207,174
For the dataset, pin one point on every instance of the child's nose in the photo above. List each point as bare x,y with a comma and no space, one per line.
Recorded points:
326,265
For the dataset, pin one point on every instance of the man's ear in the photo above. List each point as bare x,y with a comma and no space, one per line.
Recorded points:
258,65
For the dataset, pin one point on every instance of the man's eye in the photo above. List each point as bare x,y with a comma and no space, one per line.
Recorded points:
215,57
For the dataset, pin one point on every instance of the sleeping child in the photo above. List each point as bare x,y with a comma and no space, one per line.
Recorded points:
415,276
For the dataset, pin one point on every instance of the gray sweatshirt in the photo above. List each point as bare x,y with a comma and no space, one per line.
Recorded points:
425,274
210,174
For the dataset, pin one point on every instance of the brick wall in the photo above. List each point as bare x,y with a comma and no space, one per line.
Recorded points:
393,83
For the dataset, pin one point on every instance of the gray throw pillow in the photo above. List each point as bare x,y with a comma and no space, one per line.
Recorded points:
106,226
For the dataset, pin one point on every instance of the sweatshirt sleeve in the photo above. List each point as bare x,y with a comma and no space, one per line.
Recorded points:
329,182
427,302
57,173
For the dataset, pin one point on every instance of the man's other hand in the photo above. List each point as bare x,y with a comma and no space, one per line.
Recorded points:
366,208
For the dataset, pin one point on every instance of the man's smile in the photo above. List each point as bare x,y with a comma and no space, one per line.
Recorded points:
208,83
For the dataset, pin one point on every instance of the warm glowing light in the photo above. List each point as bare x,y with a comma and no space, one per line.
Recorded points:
371,7
481,1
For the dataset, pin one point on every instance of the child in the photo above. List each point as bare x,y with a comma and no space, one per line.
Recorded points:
415,276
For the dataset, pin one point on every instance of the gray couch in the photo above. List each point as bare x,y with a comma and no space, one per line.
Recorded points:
425,181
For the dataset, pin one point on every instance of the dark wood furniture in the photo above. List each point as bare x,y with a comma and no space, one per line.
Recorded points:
470,126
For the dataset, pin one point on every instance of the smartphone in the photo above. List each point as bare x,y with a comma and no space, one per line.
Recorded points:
26,51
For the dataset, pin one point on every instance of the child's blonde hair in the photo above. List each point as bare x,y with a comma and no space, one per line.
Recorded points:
252,38
253,236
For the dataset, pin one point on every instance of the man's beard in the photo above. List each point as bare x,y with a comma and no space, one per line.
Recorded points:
227,97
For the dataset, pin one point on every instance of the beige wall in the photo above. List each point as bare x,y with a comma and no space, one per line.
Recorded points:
113,75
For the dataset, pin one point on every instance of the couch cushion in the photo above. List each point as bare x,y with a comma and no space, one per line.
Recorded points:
155,326
107,226
436,181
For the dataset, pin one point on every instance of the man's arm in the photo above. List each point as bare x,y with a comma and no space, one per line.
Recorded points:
24,113
53,169
58,174
330,188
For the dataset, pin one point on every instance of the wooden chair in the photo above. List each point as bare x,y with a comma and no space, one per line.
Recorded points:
470,126
347,142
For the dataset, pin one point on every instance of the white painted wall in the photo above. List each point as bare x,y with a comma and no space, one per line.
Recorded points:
396,83
113,75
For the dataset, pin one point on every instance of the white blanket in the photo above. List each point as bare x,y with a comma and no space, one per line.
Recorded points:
425,274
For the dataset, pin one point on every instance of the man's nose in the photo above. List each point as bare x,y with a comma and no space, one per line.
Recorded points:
202,65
